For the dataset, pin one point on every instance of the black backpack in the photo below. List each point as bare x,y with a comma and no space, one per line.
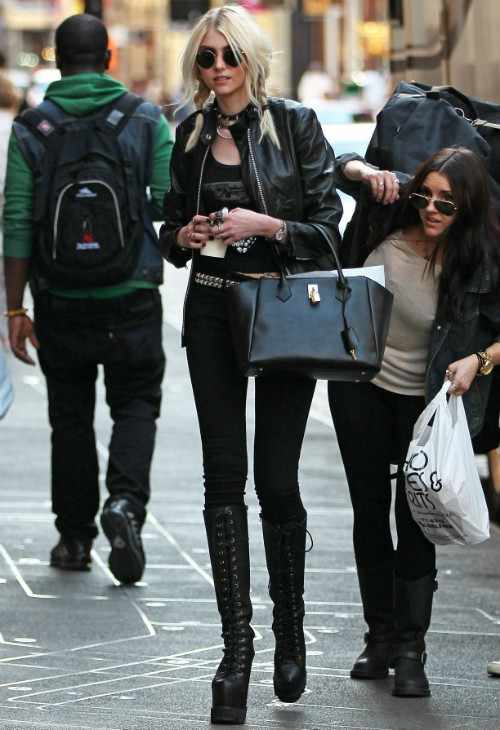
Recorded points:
87,198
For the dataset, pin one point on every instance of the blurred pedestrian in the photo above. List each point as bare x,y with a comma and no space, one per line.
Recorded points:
10,99
252,190
440,248
76,328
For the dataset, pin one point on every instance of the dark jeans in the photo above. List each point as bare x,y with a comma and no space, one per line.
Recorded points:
374,428
124,335
281,409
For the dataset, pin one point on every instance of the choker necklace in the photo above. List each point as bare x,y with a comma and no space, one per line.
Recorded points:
220,129
228,117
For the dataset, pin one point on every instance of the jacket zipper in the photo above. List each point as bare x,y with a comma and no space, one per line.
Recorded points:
262,198
191,273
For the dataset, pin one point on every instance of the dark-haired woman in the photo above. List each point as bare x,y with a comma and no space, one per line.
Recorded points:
440,247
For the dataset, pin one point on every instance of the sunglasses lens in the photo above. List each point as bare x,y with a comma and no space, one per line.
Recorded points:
419,201
445,207
231,58
205,58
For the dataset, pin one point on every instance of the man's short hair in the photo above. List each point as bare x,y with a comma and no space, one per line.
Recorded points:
82,40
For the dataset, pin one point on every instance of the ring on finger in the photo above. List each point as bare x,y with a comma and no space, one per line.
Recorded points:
192,237
453,385
448,372
381,184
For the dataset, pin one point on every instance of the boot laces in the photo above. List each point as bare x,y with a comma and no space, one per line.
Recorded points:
289,608
237,633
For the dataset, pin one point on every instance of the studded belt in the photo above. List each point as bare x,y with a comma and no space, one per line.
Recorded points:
216,282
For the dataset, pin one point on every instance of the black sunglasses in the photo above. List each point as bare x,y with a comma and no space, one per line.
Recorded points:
446,207
206,58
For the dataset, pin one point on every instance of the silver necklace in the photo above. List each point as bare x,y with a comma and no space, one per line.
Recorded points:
220,128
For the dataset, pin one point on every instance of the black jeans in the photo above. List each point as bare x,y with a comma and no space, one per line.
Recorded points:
124,335
281,409
374,428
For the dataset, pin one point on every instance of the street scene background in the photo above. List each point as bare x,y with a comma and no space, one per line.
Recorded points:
79,652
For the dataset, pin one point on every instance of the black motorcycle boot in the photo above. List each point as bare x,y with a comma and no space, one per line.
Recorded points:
227,533
376,586
412,611
285,556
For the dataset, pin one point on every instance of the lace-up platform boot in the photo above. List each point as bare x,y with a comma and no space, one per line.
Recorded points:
412,611
377,594
227,533
285,545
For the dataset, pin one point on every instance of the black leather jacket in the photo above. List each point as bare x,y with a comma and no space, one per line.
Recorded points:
294,183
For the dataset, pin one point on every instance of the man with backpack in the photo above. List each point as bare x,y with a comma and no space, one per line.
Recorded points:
86,174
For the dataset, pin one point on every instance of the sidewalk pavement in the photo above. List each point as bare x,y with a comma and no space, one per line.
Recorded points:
78,652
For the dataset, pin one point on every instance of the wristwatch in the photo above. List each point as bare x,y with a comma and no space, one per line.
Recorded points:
485,363
280,234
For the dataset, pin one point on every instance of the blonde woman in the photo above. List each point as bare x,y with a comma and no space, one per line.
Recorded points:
251,188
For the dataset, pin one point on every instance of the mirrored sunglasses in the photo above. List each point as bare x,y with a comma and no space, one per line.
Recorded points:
206,58
446,207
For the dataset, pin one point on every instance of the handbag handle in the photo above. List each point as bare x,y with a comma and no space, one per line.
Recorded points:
284,292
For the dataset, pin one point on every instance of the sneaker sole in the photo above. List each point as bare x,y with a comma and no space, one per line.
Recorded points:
82,567
126,559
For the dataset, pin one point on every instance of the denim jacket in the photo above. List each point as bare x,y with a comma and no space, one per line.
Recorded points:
450,341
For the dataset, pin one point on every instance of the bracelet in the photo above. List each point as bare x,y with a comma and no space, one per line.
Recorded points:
485,363
15,313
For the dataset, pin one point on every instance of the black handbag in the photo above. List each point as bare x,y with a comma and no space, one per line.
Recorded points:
318,325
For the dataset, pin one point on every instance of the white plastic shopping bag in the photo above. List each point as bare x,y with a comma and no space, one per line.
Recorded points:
442,482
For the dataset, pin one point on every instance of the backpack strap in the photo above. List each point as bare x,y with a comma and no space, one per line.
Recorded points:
41,124
117,114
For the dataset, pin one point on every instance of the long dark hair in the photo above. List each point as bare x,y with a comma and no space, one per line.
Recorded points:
473,237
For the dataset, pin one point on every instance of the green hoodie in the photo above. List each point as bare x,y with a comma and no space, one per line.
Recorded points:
78,95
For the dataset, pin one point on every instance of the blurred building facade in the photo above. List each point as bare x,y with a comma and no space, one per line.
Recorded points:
356,42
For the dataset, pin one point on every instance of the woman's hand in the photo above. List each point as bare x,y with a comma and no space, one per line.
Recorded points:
461,373
196,233
242,223
383,184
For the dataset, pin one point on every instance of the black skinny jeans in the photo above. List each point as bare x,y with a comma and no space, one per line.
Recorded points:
281,409
124,335
374,428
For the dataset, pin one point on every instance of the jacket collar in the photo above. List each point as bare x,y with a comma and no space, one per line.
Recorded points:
248,115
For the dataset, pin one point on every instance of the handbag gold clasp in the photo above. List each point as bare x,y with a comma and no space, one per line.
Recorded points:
313,293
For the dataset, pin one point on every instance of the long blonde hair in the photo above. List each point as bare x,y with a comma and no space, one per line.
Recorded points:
243,34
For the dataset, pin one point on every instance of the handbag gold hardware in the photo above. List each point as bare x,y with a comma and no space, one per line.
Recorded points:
313,292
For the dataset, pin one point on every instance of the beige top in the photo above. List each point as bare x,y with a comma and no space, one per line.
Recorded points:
415,301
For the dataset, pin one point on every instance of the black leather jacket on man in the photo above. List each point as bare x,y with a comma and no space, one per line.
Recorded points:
294,183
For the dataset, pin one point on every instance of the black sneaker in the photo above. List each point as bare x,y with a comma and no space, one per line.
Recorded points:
121,527
72,554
